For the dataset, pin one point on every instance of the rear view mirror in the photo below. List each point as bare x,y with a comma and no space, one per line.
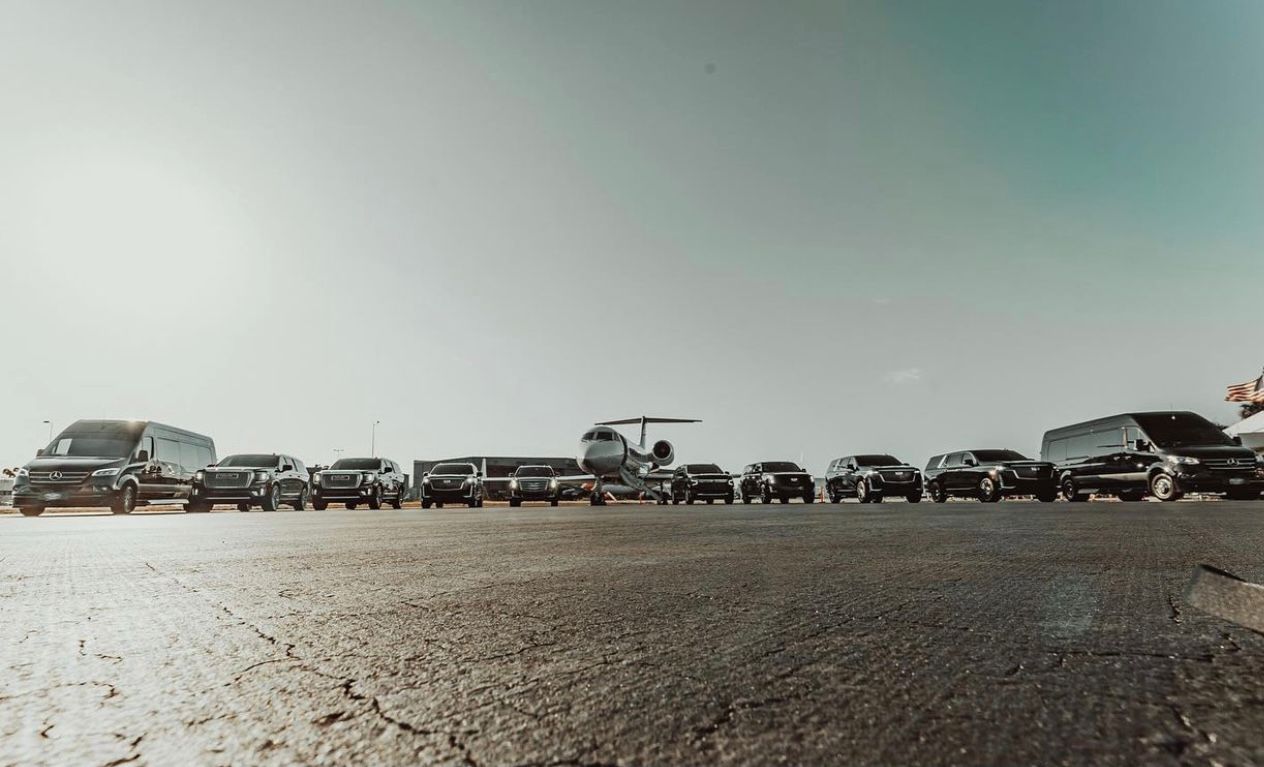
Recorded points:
969,462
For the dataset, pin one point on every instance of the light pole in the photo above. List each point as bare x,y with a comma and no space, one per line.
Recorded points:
373,444
337,453
50,430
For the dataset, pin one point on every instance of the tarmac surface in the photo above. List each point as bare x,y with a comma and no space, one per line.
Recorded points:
893,634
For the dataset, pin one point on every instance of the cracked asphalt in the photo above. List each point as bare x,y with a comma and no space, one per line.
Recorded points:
955,634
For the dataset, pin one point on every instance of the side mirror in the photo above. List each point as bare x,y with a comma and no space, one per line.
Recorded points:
39,452
1237,440
287,467
970,462
1142,446
142,456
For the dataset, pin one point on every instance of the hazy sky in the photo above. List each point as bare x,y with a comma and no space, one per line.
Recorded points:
823,228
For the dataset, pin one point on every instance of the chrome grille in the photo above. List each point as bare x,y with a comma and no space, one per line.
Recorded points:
441,483
897,475
226,480
58,477
340,480
534,485
1230,464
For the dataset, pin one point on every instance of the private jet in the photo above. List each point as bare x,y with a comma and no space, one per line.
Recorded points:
615,463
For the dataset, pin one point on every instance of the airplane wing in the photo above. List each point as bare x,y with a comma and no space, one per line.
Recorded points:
647,419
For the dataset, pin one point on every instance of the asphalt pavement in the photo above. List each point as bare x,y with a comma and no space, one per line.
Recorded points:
634,634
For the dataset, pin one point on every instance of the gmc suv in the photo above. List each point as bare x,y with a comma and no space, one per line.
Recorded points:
776,479
266,480
989,475
701,481
353,481
870,478
452,483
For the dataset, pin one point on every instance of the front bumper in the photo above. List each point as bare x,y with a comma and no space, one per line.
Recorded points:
252,494
522,494
791,489
344,494
445,495
710,490
1211,481
896,486
1012,484
87,495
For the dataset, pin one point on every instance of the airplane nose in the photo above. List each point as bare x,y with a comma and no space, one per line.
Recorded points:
600,457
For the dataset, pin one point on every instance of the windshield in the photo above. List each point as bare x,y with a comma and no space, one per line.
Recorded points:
534,471
1168,430
703,468
358,464
250,461
453,468
877,460
91,447
782,466
992,456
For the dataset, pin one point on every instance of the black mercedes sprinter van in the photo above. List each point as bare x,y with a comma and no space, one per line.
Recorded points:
119,464
1164,454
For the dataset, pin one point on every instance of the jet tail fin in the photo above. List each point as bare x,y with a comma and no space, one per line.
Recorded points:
645,419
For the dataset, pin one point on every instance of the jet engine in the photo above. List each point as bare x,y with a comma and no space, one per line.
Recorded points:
663,452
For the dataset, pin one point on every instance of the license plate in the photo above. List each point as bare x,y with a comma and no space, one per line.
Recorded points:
52,496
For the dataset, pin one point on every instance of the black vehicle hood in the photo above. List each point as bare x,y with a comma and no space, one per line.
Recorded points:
73,463
786,474
1016,464
710,476
901,467
1213,451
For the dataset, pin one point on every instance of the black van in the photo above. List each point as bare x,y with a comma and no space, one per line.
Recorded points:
119,464
1164,454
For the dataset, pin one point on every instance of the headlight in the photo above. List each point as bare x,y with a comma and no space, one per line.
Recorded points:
370,477
770,478
262,476
316,478
552,483
22,472
110,472
1183,459
425,480
513,483
998,468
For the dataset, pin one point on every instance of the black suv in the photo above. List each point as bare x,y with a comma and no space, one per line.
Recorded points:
701,481
534,483
353,481
266,480
1164,454
870,478
776,479
452,483
989,476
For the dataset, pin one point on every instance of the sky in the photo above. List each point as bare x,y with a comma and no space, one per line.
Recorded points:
822,228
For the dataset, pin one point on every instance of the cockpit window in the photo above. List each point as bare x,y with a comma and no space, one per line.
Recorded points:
589,436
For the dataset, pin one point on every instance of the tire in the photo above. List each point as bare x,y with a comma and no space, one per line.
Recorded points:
471,503
319,505
915,497
809,498
937,492
375,500
426,503
688,499
833,496
1072,493
784,498
765,495
862,491
398,503
31,511
553,501
728,500
300,503
1132,496
479,504
514,503
125,501
243,507
1243,494
710,501
1164,487
438,504
350,506
273,500
989,491
1046,497
197,508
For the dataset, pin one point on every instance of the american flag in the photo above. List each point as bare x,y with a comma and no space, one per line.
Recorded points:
1250,391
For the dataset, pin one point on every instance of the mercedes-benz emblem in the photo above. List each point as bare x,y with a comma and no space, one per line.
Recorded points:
55,475
1232,461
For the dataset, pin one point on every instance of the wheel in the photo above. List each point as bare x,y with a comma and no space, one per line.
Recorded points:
728,499
1132,496
514,503
398,503
914,497
197,508
438,504
937,492
425,503
125,500
243,507
480,502
471,503
688,498
988,490
1164,487
300,503
272,501
1071,492
375,500
1047,497
809,498
765,495
31,511
350,506
553,501
320,505
709,500
1243,494
784,498
833,496
862,491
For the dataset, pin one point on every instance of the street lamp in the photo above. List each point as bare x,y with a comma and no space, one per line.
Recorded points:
50,429
337,453
373,444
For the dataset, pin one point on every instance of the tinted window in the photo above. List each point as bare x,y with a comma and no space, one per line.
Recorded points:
877,460
1170,430
357,464
954,459
703,468
934,462
97,447
453,468
168,450
298,465
988,456
535,471
251,461
782,466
